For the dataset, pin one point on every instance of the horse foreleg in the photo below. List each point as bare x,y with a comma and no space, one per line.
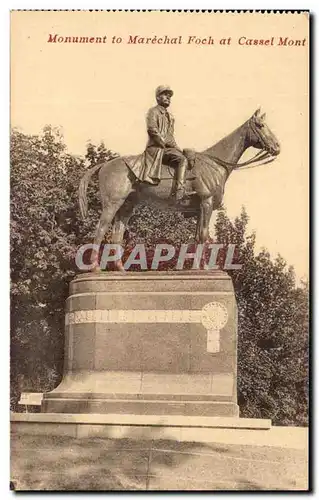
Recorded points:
206,207
212,223
199,224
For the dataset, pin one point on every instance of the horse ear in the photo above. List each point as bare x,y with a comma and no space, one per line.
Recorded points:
263,116
257,112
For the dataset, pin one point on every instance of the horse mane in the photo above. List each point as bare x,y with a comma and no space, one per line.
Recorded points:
222,146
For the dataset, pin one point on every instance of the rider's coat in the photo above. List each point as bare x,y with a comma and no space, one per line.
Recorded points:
160,129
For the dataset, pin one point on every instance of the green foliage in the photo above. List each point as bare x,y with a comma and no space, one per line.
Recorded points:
150,226
272,330
46,231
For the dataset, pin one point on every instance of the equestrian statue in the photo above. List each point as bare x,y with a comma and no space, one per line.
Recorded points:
159,176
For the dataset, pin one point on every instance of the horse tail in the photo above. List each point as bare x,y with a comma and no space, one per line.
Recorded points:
83,202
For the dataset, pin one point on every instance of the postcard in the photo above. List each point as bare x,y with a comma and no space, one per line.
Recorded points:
159,250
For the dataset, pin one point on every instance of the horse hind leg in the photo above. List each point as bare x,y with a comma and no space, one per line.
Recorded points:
120,222
107,215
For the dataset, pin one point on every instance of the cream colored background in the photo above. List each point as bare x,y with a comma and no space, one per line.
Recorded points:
102,91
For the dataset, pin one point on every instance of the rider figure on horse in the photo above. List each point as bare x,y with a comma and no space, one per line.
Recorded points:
161,147
161,144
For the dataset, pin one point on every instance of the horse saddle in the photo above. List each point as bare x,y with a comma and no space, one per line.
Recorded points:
190,155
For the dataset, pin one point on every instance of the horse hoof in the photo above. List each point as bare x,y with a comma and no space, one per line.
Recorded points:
119,266
95,268
120,269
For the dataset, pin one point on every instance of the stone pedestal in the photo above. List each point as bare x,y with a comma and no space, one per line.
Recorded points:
149,343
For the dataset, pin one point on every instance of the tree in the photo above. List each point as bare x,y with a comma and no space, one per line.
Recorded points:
272,330
45,233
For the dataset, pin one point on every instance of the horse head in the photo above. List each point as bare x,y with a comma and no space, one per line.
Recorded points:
260,135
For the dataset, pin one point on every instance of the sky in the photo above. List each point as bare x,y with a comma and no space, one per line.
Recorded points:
102,91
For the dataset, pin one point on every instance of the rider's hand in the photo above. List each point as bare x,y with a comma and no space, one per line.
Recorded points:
160,142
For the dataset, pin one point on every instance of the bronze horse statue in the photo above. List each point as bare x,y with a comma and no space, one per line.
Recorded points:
121,192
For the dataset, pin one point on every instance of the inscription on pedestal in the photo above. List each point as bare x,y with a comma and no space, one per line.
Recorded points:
213,316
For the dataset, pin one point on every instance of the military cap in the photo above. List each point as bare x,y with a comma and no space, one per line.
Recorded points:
163,88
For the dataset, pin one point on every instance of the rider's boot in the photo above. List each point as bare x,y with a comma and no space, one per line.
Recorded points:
179,193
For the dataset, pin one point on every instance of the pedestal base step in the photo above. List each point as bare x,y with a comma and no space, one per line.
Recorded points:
137,427
140,407
143,420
